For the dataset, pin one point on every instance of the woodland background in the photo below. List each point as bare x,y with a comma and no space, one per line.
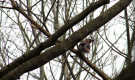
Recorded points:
39,39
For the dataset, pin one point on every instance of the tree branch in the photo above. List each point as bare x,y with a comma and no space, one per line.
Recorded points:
6,7
36,51
127,73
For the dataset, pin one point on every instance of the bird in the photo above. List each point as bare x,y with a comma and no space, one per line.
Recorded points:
84,47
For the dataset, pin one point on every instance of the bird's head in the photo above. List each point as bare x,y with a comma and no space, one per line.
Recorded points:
89,40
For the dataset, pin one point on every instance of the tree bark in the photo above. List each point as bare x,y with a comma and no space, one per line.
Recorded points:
36,51
127,73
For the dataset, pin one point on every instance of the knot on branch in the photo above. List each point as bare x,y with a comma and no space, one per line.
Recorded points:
15,5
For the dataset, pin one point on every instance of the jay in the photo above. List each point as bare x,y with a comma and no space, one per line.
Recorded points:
84,47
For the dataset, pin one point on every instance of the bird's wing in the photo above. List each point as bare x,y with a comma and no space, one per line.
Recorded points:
88,46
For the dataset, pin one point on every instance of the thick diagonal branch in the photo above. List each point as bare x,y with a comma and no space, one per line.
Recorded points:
36,51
